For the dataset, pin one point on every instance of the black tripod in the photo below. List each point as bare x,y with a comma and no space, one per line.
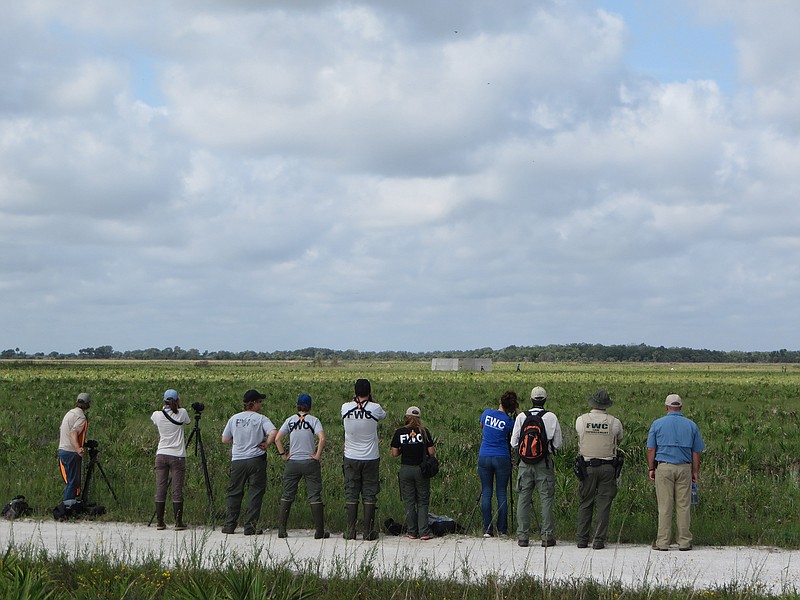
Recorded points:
198,446
94,461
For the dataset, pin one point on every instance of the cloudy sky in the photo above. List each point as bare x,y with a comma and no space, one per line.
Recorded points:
386,175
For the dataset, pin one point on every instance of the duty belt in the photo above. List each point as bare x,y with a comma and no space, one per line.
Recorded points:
599,462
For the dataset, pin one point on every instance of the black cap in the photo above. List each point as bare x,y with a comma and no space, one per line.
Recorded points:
253,395
363,388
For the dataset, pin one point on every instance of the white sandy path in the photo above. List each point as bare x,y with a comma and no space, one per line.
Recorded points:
762,569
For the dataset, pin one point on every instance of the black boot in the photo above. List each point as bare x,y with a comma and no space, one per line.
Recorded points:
318,515
352,518
283,518
370,534
160,507
177,508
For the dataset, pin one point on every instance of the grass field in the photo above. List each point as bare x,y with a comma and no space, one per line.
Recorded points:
748,415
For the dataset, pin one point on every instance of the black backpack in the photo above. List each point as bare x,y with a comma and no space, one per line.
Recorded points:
18,507
533,443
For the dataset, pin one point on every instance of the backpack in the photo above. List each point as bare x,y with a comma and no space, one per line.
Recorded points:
533,443
16,508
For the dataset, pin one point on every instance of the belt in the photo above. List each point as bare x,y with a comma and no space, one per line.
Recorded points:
599,462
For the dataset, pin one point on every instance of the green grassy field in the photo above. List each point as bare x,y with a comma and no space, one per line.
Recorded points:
748,415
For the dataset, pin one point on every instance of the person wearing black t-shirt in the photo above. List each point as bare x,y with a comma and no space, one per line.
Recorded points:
410,443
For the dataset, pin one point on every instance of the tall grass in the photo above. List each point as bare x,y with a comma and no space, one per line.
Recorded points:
748,416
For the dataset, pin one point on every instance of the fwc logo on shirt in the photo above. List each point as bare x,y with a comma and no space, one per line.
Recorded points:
299,425
411,438
246,422
596,428
494,422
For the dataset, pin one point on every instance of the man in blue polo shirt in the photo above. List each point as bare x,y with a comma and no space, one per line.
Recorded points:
674,445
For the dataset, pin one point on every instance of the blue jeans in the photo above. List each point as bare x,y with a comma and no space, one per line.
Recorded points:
70,464
494,469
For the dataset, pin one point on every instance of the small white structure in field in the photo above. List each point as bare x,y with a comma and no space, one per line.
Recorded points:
461,364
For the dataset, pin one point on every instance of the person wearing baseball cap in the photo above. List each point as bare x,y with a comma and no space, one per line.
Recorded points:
170,457
411,442
302,461
674,445
250,434
70,447
540,475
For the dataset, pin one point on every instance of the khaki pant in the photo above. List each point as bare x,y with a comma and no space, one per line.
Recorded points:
674,493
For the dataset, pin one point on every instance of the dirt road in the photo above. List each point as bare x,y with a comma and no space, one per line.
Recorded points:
461,557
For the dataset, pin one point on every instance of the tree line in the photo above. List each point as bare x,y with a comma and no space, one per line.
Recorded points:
578,352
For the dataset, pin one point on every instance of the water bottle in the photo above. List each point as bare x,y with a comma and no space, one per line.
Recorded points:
695,495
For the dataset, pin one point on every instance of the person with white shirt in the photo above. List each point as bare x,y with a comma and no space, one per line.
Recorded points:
170,457
250,434
361,464
540,475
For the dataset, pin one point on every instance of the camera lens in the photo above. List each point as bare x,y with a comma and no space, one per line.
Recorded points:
198,406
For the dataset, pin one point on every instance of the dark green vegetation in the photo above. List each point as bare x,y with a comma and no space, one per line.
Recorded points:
38,578
524,354
748,416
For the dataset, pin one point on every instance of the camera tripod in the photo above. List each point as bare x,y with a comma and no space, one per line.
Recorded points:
94,461
198,446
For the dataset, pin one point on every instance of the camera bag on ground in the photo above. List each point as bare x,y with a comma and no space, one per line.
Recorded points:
64,512
442,525
392,527
17,508
533,443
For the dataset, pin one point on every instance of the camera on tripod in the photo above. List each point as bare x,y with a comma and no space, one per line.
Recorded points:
91,444
198,406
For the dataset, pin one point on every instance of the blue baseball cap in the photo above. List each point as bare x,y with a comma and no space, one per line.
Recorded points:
170,395
304,401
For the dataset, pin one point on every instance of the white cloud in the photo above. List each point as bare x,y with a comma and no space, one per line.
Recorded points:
386,175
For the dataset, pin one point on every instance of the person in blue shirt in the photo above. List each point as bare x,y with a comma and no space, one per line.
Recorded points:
674,445
494,461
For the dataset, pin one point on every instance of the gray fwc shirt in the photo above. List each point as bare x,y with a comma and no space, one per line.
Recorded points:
248,429
302,431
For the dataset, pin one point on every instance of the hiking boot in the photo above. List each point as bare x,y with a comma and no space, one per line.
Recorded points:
598,546
228,530
523,543
583,545
548,542
685,548
253,531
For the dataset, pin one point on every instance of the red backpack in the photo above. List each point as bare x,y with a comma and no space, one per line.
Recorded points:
533,443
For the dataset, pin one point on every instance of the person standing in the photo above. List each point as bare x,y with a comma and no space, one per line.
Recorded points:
599,435
70,447
170,457
411,442
540,475
494,461
674,445
361,463
251,434
302,461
